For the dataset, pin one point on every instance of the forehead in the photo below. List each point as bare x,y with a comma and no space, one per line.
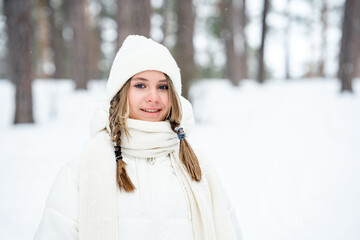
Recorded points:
150,75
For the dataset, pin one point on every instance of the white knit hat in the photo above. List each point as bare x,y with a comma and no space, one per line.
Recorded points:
138,54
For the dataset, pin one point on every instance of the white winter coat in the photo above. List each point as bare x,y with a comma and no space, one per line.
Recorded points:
158,209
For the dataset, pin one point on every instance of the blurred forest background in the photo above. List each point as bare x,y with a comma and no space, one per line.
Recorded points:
232,39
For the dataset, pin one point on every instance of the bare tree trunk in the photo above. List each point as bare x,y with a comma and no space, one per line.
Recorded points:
44,62
133,17
357,39
20,37
184,45
243,42
142,16
81,44
95,54
56,42
287,41
324,27
68,37
357,68
233,59
350,42
124,20
261,71
94,36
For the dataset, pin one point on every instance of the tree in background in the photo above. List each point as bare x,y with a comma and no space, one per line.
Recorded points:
44,63
124,20
350,43
357,68
81,43
141,17
324,29
59,50
19,28
133,17
318,19
233,34
261,65
287,40
94,35
61,37
184,49
242,39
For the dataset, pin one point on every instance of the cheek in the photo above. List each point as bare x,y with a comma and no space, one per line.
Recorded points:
166,100
133,99
135,96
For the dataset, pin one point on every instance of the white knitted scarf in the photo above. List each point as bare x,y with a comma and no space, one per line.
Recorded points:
148,139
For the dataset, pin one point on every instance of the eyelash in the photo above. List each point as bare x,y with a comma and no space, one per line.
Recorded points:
139,85
164,87
161,87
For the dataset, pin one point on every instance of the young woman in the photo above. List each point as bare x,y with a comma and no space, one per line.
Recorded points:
138,177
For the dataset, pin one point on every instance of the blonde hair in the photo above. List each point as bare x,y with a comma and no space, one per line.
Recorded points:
119,112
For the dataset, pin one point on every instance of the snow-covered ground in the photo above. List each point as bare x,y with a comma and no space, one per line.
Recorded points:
287,153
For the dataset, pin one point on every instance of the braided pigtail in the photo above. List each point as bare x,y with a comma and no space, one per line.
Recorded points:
186,153
118,113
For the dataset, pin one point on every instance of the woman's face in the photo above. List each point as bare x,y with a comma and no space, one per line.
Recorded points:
149,96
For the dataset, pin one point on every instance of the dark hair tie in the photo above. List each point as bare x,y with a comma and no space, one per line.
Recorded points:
180,132
118,153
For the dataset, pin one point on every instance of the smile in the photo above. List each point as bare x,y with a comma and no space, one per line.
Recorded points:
151,110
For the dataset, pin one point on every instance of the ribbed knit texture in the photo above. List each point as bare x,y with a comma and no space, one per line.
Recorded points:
97,190
149,139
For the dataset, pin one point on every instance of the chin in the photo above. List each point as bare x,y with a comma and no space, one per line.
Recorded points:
153,119
147,119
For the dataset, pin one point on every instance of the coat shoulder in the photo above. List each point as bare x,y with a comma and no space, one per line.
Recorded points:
101,137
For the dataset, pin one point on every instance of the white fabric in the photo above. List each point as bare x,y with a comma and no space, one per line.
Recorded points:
148,139
158,209
61,221
60,217
155,139
138,54
98,201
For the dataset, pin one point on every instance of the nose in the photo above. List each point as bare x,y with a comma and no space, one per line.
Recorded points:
152,96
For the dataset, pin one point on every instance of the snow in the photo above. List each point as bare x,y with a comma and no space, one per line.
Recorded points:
286,152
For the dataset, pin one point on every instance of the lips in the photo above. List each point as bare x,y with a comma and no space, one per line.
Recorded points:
151,110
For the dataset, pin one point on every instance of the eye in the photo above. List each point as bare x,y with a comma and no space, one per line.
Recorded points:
139,85
164,87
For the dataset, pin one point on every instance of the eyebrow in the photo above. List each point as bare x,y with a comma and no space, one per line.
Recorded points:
144,79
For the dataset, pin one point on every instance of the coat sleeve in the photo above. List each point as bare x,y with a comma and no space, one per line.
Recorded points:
60,217
232,213
221,198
